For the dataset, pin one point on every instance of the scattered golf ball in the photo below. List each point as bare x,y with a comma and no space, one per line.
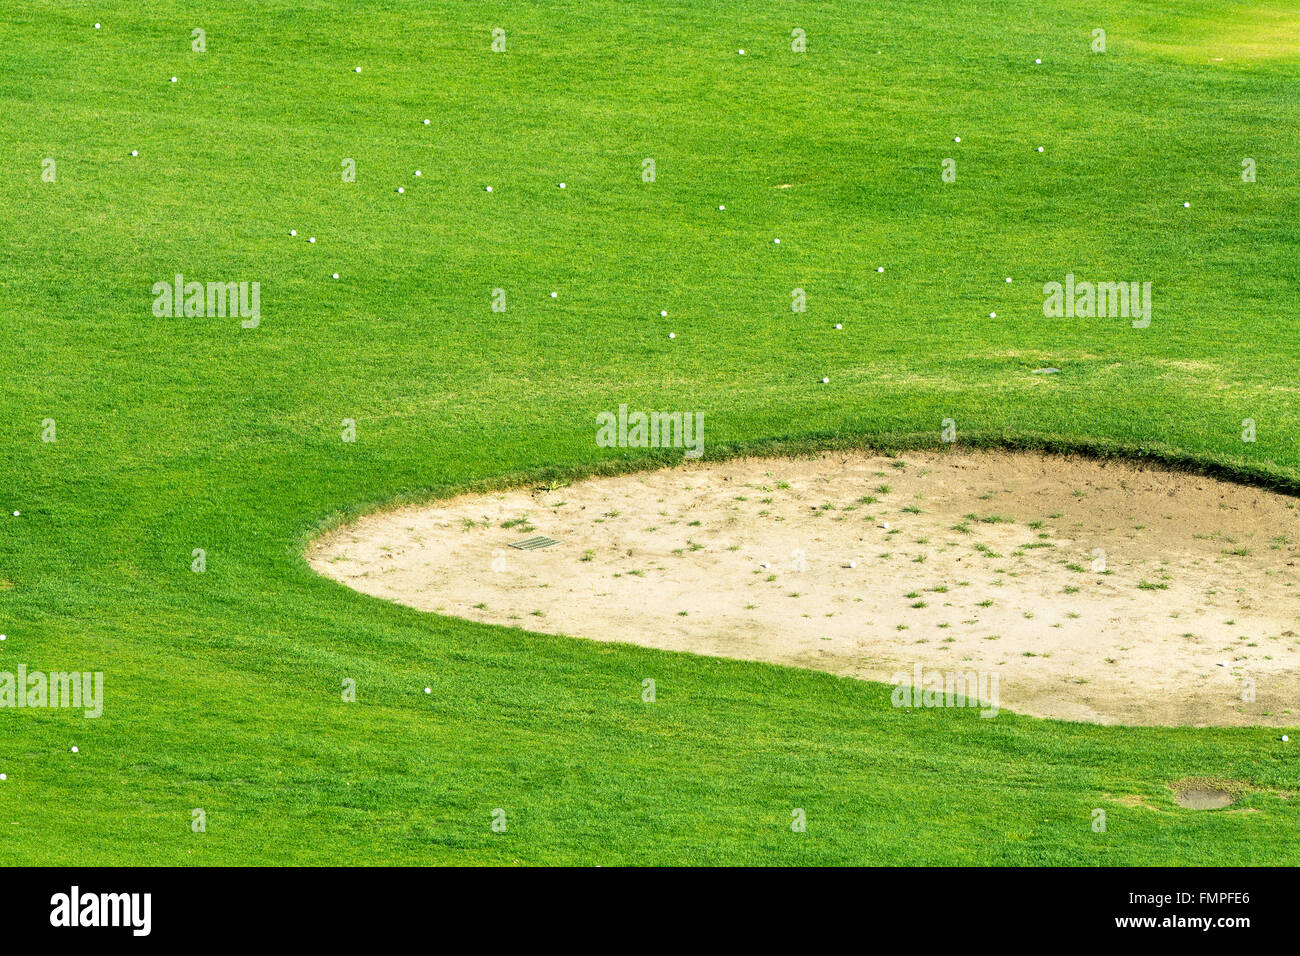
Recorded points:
663,313
311,239
401,189
3,638
1285,738
555,295
880,268
777,241
672,335
838,326
1038,61
885,525
562,186
16,514
853,564
336,275
4,776
358,69
293,232
741,52
765,565
428,690
993,315
418,173
956,139
75,750
1040,149
1008,278
96,26
489,188
173,79
1187,205
825,381
721,208
135,152
426,122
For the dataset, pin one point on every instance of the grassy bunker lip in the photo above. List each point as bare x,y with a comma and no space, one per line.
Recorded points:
1094,589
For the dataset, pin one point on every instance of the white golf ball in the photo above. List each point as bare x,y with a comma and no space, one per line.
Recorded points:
489,188
720,208
838,325
3,638
135,152
311,239
672,335
765,565
75,750
562,186
418,173
826,381
993,315
1038,61
1008,278
336,275
741,52
880,268
16,514
96,26
1187,205
426,122
173,79
358,69
853,564
885,525
293,232
428,690
956,139
663,313
4,776
1040,149
400,189
1285,738
555,295
777,241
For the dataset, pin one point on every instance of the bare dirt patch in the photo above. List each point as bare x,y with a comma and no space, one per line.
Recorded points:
1100,591
1197,794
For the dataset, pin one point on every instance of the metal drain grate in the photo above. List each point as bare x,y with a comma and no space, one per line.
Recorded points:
532,544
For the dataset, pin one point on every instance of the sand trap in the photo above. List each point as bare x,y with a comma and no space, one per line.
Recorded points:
1096,591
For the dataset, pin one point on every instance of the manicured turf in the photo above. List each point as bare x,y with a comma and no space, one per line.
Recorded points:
223,689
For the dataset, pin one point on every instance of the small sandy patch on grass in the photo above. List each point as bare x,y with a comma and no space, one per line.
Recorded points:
1100,591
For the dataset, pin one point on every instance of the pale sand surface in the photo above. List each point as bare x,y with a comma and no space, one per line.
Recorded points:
674,559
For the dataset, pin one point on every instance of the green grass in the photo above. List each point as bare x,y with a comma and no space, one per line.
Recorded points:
223,689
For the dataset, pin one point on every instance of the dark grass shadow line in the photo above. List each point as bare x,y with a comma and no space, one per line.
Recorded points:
1266,477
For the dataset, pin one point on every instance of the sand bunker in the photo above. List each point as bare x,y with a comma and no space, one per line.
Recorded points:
1097,591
